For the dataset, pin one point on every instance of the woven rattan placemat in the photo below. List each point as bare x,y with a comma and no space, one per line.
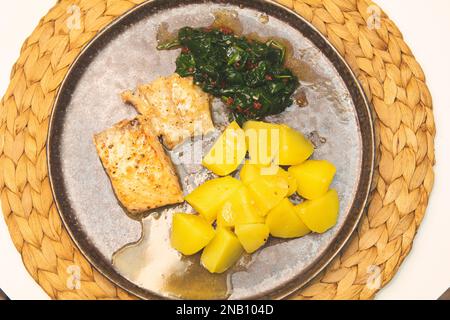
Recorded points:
370,42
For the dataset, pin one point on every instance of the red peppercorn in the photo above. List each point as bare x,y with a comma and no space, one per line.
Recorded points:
185,50
257,105
230,101
250,65
268,77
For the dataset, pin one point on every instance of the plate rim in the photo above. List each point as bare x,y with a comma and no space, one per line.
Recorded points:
360,198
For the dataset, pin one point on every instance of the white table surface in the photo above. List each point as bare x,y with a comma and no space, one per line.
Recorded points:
425,24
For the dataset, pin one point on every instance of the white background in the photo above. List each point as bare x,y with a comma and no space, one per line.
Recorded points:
426,272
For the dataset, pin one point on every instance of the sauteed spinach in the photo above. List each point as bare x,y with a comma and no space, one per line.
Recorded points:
248,75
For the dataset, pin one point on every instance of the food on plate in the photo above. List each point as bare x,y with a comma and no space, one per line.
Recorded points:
232,216
246,211
252,236
141,174
268,191
228,152
262,140
276,143
190,233
320,214
313,177
294,147
292,182
283,221
239,208
222,252
176,107
248,75
209,197
249,172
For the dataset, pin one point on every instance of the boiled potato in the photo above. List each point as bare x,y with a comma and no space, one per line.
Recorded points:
294,147
320,214
250,172
209,197
190,233
292,182
252,236
228,152
268,191
259,137
283,221
225,215
239,208
276,143
222,252
313,178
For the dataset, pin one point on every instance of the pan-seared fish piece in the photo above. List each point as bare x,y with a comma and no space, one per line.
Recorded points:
141,174
176,107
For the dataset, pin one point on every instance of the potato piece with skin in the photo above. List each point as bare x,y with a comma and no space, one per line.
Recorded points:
268,191
320,214
283,221
222,252
252,236
228,152
313,178
190,233
250,172
278,143
239,208
209,197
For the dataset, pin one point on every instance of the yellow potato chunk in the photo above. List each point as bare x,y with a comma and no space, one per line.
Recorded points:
222,252
320,214
228,152
190,233
250,172
239,208
292,182
262,141
252,236
268,191
283,221
313,178
276,143
209,197
294,147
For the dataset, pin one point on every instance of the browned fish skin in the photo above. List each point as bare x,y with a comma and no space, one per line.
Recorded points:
175,106
141,174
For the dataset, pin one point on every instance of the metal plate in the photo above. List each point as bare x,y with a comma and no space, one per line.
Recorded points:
124,55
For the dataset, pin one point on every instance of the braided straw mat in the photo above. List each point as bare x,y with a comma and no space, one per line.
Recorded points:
384,64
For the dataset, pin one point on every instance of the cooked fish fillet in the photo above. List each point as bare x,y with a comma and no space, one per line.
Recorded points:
141,173
176,108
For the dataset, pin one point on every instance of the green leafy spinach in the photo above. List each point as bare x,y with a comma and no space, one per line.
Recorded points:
248,75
